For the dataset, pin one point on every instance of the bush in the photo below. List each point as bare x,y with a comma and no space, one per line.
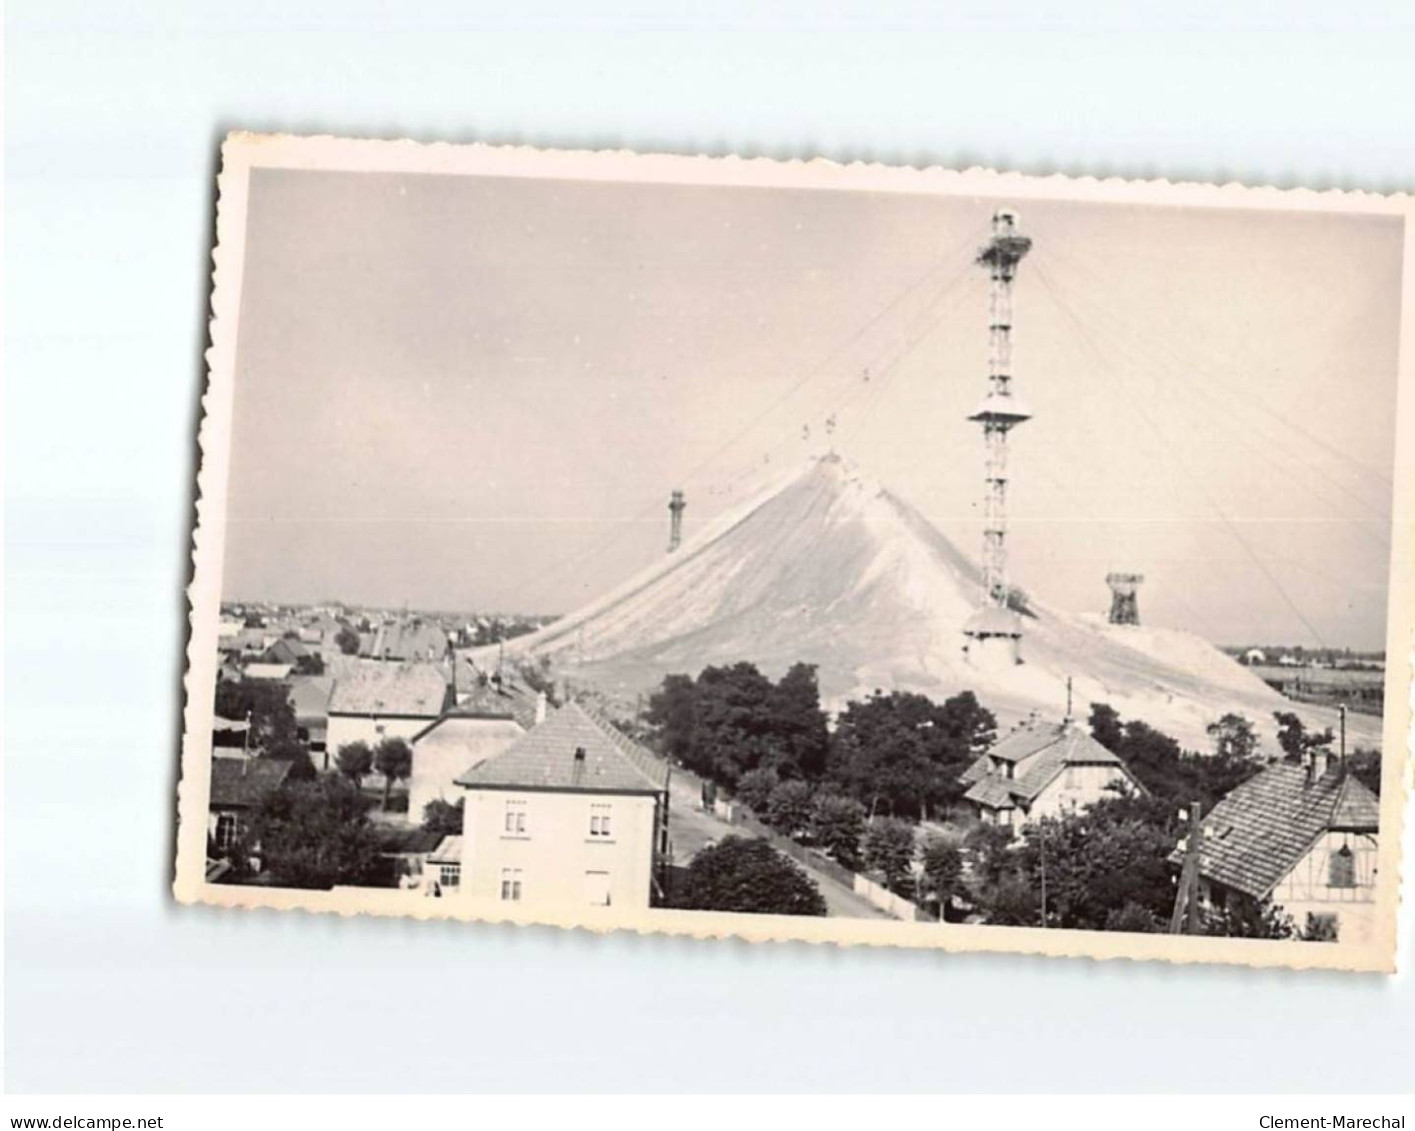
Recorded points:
749,876
837,825
889,850
1135,919
788,808
755,788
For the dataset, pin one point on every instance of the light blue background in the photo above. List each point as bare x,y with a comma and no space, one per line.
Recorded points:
114,112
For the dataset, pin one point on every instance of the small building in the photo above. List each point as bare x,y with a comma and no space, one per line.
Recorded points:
443,875
403,642
378,701
1255,656
238,786
571,813
1043,770
483,723
1303,837
309,696
403,855
276,673
286,650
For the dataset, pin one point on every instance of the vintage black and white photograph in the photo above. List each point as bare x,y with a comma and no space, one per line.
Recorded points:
802,552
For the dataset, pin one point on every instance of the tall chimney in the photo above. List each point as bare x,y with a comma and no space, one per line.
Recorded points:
540,708
676,505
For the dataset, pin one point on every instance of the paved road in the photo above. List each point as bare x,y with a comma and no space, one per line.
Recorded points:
690,829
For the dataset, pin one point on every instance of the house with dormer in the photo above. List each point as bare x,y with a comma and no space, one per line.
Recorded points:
1043,770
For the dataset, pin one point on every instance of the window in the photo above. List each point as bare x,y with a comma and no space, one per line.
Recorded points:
226,830
597,888
1341,868
450,875
511,884
515,818
600,827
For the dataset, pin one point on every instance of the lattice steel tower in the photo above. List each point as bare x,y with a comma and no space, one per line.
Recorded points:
1124,603
676,505
1000,411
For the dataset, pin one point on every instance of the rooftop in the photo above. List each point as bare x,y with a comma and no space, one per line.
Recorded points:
1047,749
1258,833
239,783
545,758
414,690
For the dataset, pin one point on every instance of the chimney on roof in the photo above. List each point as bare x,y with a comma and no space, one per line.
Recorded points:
580,754
540,707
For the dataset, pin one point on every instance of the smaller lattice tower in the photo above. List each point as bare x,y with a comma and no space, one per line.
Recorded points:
676,506
1124,604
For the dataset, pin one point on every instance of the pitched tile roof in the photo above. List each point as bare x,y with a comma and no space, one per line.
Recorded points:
545,758
1048,749
448,852
309,695
488,699
417,690
239,783
1259,832
415,640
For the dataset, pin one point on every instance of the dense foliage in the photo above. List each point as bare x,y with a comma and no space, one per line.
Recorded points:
1101,865
1174,776
444,817
903,753
747,875
733,720
355,761
394,760
315,835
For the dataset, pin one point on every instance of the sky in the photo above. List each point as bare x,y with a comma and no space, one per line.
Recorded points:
476,393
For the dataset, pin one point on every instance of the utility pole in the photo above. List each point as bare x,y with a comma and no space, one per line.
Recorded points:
1185,919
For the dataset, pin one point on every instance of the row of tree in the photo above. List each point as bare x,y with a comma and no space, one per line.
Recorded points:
898,753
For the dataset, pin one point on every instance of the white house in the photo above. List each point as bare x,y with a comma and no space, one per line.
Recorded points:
483,723
1303,837
571,813
377,701
1043,770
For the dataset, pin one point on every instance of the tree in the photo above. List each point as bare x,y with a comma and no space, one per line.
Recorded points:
355,762
1135,919
1091,863
732,733
1243,918
265,703
1233,737
904,752
1106,727
1292,736
672,714
394,760
837,824
1365,767
755,789
444,817
943,871
297,754
315,835
1172,775
798,724
745,875
310,664
889,850
347,640
733,720
788,809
